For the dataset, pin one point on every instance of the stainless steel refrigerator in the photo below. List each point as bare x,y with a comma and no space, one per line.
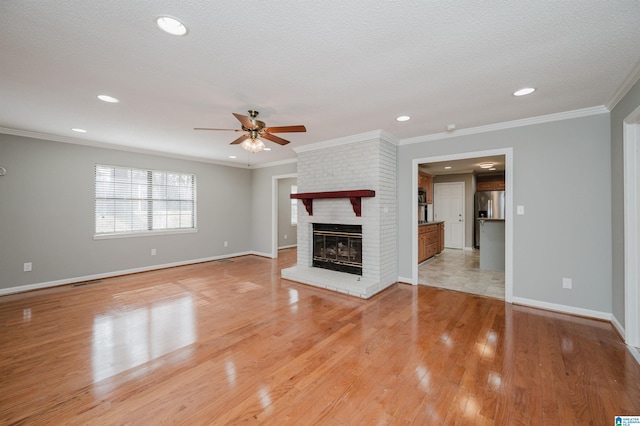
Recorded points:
490,205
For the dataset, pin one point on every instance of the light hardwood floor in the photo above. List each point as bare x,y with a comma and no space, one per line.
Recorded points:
460,270
231,342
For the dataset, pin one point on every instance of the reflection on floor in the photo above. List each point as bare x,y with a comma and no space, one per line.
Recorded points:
460,270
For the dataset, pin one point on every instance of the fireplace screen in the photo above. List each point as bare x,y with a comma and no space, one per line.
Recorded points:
338,247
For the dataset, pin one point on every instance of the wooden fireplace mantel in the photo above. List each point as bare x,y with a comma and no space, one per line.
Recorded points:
354,196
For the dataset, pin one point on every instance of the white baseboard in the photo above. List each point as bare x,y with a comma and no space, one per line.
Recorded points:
406,281
286,247
261,254
37,286
635,353
616,324
563,308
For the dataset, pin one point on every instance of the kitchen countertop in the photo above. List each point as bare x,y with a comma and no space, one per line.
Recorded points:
431,223
490,220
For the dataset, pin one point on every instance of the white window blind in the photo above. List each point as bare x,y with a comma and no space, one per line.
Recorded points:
135,200
294,206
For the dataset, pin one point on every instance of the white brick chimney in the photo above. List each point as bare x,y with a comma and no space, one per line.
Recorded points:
366,161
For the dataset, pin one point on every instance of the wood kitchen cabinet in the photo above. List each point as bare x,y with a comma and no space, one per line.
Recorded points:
430,240
425,181
491,185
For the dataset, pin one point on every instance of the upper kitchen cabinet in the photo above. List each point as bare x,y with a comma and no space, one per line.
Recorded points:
425,181
490,183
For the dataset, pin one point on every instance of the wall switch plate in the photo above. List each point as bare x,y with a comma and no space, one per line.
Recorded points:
153,252
28,266
567,283
520,210
285,236
226,243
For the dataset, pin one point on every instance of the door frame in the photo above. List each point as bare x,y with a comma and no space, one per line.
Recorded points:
274,211
464,219
631,233
508,254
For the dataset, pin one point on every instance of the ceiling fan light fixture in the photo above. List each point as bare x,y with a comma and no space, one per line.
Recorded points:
171,25
253,145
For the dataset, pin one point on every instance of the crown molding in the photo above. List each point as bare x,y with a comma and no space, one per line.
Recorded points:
104,145
508,124
376,134
275,163
624,88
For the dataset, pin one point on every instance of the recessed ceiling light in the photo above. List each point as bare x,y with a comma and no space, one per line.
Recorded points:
79,130
232,156
107,98
403,118
492,169
486,165
267,149
525,91
171,25
447,167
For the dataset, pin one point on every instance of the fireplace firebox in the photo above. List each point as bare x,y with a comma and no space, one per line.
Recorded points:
338,247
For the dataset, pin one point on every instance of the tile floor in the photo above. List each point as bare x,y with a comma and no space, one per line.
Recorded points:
460,270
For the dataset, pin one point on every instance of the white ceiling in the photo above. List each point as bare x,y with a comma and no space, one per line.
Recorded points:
340,68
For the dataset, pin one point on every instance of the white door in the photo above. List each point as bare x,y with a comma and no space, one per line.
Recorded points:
448,206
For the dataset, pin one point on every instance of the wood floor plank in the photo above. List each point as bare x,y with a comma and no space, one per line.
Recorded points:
232,342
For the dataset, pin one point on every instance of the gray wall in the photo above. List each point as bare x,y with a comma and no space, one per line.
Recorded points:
284,214
626,106
469,191
47,213
562,175
261,200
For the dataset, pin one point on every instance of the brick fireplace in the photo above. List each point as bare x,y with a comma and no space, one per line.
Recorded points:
361,165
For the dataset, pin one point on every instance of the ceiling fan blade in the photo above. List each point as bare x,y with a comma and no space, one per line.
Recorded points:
274,138
286,129
210,128
244,120
240,139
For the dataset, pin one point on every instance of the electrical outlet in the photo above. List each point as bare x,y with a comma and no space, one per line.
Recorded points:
28,266
520,209
153,252
226,243
285,236
567,283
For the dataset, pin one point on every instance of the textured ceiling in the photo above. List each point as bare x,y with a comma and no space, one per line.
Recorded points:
340,68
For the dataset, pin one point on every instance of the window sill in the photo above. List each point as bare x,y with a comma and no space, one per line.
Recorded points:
144,234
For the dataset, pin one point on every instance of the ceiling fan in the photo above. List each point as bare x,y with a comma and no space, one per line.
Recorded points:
256,130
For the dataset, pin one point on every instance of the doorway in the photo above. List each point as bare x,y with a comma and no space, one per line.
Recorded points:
631,158
277,215
507,154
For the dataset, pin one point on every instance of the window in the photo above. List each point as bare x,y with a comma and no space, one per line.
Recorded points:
294,206
143,201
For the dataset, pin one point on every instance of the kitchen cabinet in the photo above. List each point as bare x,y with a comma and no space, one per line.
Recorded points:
430,240
491,185
425,181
